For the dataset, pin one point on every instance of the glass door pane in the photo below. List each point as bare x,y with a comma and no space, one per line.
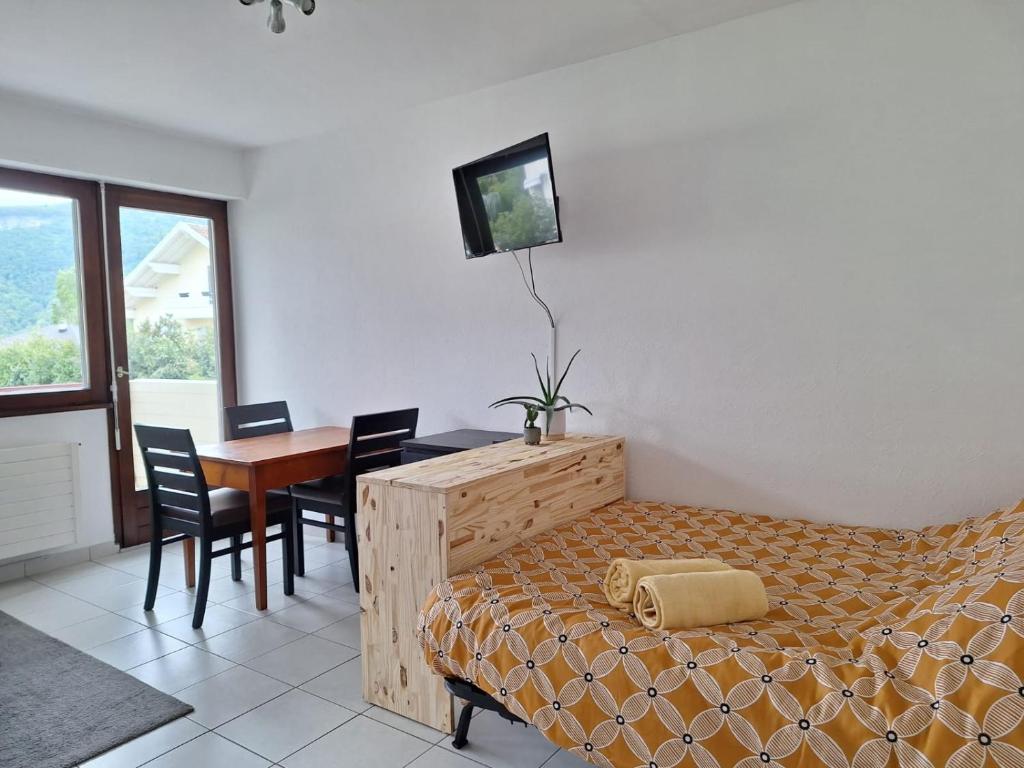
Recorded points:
170,320
41,346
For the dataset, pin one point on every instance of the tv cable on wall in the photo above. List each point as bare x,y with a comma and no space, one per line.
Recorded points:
507,203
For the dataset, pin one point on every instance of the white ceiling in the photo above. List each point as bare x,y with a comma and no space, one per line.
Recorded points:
211,68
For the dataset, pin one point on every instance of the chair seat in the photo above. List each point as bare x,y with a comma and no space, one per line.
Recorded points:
230,507
329,490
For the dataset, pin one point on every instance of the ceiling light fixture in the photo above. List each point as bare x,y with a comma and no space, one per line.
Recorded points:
276,18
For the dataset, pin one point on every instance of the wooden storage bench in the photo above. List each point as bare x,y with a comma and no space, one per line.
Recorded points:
420,523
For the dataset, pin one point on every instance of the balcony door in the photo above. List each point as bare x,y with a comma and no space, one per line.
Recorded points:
172,336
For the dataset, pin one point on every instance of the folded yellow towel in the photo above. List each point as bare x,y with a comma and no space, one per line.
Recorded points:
623,574
688,600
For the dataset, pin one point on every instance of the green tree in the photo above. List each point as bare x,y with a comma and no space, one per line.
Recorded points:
166,349
37,361
205,353
64,305
518,217
38,241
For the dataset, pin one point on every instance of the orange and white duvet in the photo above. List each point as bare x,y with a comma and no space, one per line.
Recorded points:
880,648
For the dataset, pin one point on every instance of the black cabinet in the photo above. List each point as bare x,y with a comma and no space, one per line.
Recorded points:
420,448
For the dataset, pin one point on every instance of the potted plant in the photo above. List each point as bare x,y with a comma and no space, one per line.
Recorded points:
552,401
531,432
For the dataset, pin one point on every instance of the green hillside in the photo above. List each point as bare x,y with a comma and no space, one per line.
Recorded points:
36,242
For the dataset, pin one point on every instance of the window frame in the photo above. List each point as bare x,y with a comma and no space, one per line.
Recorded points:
96,391
132,517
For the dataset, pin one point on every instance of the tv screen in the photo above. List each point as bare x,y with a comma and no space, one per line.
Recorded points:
507,200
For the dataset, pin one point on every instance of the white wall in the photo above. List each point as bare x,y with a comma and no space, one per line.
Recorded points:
88,428
41,137
793,261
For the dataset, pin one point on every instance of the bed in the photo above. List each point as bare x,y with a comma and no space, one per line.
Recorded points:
881,647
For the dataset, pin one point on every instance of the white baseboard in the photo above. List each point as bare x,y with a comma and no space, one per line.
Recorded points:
33,566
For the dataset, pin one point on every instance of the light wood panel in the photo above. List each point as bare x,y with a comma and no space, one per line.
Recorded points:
497,511
420,523
403,552
459,469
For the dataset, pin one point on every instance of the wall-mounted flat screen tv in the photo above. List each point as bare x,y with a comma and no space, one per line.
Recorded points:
507,200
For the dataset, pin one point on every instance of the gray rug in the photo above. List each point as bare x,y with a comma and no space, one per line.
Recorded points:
60,707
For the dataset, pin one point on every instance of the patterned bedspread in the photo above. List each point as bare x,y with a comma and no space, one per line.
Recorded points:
880,648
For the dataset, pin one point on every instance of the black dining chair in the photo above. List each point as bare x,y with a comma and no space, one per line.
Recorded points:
181,501
257,420
374,443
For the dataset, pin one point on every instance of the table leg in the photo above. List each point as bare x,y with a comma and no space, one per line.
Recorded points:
258,518
188,549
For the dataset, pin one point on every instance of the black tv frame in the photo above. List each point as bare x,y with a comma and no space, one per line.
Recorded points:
476,229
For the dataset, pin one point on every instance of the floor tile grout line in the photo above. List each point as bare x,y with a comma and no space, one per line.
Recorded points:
219,735
468,756
284,693
225,658
36,576
156,628
349,616
324,698
558,751
241,714
251,618
187,741
396,728
438,746
350,711
292,642
323,735
161,656
96,605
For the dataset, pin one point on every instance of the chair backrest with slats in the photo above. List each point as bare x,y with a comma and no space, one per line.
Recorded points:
257,420
175,476
374,442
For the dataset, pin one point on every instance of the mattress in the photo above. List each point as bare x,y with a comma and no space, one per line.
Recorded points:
881,647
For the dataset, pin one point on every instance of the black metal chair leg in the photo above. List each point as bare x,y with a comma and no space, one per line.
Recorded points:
462,729
300,555
288,550
203,584
353,557
156,548
236,558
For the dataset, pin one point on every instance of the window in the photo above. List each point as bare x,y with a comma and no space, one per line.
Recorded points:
40,281
51,320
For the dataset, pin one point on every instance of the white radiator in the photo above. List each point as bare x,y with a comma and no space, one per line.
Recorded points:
38,498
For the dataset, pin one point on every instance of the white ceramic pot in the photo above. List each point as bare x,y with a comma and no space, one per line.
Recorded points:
554,424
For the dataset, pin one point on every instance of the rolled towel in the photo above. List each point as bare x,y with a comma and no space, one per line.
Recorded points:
688,600
623,574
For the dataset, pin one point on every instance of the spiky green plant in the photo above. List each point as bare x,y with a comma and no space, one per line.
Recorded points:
551,398
531,417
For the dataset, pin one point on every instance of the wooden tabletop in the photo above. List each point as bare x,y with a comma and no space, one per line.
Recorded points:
457,469
267,449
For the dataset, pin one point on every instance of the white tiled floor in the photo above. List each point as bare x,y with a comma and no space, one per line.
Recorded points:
280,687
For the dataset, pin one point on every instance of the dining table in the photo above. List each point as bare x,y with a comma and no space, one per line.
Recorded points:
259,464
